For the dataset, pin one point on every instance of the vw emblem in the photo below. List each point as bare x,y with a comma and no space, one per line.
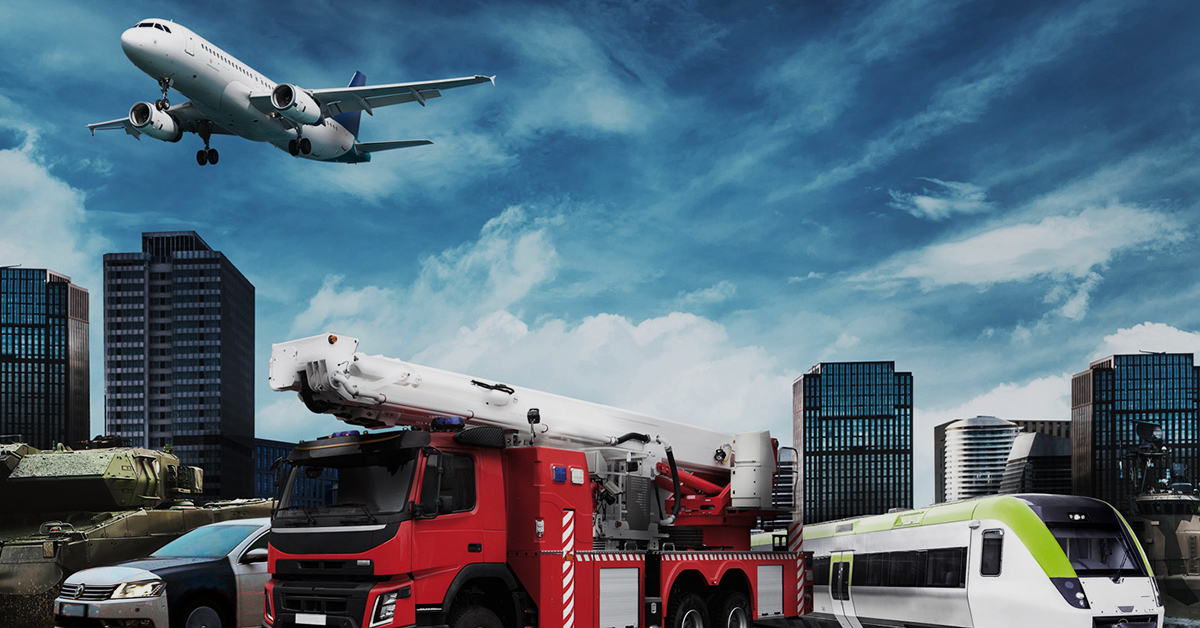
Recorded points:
78,591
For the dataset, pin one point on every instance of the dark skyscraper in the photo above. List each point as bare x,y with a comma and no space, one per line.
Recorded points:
179,357
43,357
857,426
1108,400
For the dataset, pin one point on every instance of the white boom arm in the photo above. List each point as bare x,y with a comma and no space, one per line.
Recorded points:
374,391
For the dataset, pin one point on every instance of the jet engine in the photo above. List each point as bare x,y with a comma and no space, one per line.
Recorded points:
146,118
295,104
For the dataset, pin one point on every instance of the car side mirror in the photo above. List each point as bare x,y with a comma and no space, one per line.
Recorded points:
256,555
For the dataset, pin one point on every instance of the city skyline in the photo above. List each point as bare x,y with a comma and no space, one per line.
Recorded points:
672,207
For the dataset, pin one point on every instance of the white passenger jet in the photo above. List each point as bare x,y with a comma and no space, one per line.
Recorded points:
229,98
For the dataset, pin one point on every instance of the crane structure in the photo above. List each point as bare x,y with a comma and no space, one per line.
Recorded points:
513,476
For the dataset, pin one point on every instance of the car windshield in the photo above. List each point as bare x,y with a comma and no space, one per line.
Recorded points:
206,541
1098,550
364,488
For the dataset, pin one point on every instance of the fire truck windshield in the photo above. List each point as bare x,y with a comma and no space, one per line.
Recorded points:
369,488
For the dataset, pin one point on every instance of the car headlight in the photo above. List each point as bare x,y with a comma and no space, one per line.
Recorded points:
145,588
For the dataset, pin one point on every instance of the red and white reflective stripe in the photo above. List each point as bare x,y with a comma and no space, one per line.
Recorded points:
568,568
770,557
611,557
796,544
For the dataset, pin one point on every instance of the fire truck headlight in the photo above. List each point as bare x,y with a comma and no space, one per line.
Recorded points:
385,608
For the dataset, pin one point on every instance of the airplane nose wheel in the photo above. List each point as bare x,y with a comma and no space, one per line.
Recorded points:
163,103
209,156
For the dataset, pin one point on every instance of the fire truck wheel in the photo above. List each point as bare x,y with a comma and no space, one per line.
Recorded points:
732,610
688,611
474,617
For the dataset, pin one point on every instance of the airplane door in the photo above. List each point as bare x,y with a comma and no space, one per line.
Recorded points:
839,589
189,45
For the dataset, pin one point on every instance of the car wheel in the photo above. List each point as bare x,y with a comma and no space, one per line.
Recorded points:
201,613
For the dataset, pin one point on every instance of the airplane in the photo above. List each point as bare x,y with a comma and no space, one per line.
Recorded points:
228,97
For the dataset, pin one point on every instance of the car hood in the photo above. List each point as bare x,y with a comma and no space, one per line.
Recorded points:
162,565
108,575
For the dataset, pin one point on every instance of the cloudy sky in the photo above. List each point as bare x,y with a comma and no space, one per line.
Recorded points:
675,207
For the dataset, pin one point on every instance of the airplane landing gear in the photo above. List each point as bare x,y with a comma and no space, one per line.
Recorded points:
163,103
303,145
207,155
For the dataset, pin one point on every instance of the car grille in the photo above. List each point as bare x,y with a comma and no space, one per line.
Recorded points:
87,592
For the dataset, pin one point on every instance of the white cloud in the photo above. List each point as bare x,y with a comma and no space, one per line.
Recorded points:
680,366
1064,246
459,286
810,275
948,199
581,88
1149,336
716,293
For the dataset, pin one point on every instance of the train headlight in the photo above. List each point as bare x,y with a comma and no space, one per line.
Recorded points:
1072,592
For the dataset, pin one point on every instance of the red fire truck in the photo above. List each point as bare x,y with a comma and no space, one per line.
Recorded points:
495,506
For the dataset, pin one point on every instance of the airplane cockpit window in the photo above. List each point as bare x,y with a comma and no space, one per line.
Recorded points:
146,25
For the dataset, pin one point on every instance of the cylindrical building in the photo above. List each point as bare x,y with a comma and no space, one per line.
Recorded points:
976,454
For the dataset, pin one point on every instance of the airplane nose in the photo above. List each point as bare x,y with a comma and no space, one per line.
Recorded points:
137,43
129,40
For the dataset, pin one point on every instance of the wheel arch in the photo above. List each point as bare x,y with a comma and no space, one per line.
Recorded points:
497,585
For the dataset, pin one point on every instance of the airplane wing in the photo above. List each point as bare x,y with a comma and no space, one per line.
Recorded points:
346,99
374,147
188,117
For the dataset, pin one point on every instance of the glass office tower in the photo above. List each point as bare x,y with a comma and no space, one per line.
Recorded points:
179,357
43,358
1107,401
856,433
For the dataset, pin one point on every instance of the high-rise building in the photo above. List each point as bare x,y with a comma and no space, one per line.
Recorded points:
179,357
1108,400
1049,427
855,434
1038,463
976,454
43,358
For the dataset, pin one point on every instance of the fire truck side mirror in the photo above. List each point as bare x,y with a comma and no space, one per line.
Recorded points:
431,485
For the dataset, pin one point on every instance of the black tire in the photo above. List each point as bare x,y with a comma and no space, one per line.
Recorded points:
732,610
203,612
687,611
213,156
305,145
293,147
474,617
201,157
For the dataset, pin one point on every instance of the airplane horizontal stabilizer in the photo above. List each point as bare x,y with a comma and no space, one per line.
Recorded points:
374,147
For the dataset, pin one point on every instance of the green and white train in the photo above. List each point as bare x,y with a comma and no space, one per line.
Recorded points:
1015,560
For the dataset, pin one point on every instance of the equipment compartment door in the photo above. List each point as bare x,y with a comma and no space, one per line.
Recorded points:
620,597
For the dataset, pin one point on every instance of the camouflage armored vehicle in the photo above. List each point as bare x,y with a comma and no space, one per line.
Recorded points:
64,510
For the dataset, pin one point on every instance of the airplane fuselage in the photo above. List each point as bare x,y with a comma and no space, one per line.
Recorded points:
219,87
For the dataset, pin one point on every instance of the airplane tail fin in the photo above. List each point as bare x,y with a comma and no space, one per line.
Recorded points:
350,120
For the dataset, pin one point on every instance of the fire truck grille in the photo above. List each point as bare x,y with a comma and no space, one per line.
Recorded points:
333,599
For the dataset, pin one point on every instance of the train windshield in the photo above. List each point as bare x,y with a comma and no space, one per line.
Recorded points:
1099,550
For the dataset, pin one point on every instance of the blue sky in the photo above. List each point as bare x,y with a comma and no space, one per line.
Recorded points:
675,207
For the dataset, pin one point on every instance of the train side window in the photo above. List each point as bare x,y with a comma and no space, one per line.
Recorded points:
993,545
877,570
902,570
946,568
858,575
821,570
